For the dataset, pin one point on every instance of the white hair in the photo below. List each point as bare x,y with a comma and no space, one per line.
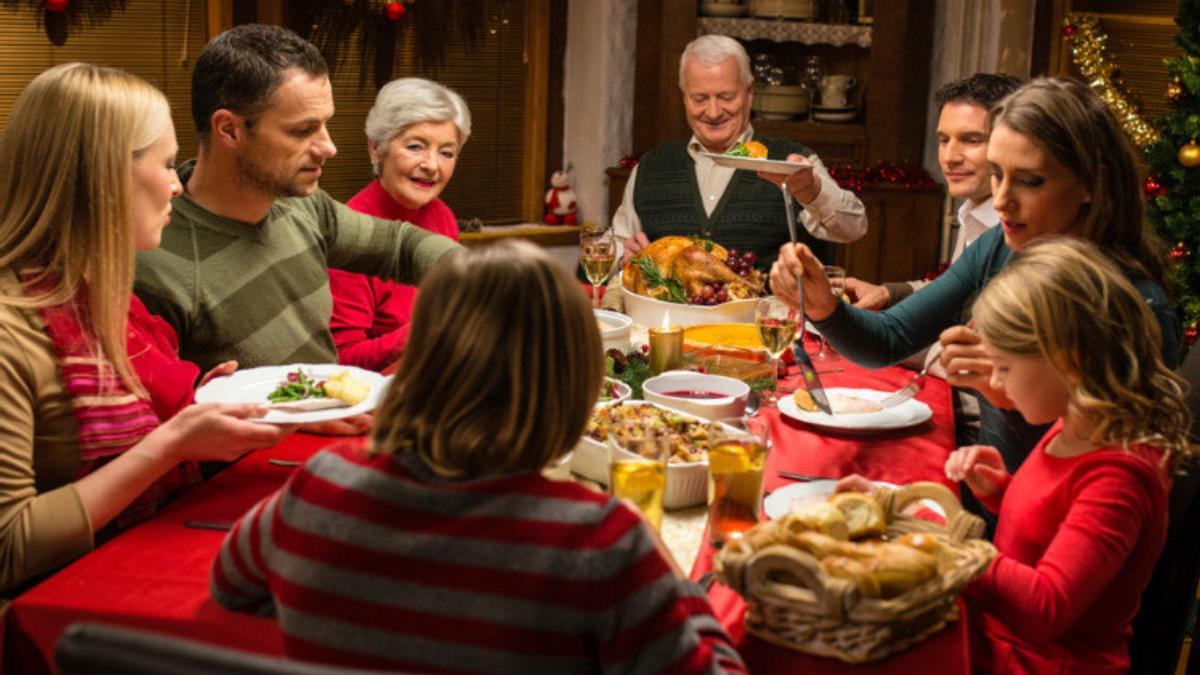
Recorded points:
712,50
413,100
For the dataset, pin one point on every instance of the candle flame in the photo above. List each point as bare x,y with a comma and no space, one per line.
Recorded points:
666,322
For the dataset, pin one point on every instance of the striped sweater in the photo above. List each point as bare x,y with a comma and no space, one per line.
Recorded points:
373,562
259,293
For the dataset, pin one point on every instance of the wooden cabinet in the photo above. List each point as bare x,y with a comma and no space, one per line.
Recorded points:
892,70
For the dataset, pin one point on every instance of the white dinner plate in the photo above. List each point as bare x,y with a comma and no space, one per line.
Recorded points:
910,413
252,385
780,502
752,164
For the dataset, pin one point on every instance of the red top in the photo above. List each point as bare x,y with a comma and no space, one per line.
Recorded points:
154,353
370,315
1077,540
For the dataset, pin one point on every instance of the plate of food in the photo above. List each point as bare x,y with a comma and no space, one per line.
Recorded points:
799,497
300,393
691,280
855,410
777,166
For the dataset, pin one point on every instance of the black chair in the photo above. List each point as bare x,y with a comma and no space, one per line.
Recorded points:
96,649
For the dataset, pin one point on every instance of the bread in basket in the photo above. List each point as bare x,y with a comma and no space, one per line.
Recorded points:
796,602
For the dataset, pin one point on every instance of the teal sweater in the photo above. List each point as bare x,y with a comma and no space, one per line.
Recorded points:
259,293
879,339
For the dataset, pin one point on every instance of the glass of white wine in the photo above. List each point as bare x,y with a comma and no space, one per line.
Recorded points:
639,474
597,254
777,323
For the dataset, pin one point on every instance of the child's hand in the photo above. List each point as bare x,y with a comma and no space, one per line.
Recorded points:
853,483
980,466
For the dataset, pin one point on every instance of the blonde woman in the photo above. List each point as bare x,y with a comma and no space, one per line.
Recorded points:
445,548
1085,517
86,178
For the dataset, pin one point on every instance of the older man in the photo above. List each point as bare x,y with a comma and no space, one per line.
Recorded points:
242,272
675,190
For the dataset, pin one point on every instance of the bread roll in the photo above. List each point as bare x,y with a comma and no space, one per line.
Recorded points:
864,515
804,400
920,541
817,544
854,571
820,517
896,568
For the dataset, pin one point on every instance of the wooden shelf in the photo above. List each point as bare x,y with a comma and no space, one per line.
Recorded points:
778,30
543,235
834,142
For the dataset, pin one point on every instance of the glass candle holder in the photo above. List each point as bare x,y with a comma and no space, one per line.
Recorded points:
666,348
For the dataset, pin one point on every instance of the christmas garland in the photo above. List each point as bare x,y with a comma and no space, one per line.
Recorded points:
856,179
1088,54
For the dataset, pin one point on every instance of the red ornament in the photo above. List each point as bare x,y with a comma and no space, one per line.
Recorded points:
1152,188
1069,30
1191,334
395,10
1180,254
628,162
56,5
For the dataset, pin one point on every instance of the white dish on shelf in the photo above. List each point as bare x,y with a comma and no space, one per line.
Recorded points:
834,114
722,9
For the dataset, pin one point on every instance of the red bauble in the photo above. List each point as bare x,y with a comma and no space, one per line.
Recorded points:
628,162
1180,254
1191,334
395,10
1152,188
56,5
1069,30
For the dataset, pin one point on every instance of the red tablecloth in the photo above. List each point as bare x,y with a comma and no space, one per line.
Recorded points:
904,456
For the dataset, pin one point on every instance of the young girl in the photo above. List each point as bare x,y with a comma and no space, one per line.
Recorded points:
443,547
1083,520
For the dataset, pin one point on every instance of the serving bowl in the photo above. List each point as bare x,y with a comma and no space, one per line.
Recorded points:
649,312
669,389
780,101
624,391
614,331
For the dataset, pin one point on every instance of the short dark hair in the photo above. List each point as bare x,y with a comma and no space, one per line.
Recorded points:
240,70
981,89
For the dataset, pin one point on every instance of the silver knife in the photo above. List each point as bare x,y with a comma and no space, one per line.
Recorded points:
812,381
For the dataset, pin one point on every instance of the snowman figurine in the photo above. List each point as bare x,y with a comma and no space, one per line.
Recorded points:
560,200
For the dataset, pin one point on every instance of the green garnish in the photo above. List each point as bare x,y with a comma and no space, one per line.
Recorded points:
739,150
655,279
298,386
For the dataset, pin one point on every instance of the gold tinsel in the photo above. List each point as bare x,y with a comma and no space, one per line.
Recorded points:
1087,52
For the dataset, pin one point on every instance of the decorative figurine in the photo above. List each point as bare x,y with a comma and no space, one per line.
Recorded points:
560,200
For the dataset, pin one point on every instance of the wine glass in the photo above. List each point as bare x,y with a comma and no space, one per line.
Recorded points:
837,284
777,323
597,253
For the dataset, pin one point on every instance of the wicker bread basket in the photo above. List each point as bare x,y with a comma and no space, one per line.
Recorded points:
791,602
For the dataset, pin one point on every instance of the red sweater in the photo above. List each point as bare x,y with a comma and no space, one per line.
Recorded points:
370,315
1077,541
153,351
374,562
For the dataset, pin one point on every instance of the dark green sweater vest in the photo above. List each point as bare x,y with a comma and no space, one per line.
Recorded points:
749,217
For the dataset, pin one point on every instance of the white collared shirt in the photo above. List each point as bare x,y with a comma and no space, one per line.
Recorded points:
973,221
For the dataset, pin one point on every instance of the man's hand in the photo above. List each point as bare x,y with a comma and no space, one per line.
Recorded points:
968,366
803,185
865,294
634,244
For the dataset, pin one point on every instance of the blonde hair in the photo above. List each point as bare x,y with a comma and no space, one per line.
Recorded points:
1073,124
65,174
502,367
1065,301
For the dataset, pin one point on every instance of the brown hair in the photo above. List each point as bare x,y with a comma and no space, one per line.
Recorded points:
1073,124
1062,300
66,161
502,367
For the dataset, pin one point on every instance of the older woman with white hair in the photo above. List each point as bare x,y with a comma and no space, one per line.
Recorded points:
414,134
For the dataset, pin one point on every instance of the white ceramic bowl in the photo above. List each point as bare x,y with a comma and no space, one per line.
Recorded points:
649,313
624,391
616,335
778,101
687,484
731,404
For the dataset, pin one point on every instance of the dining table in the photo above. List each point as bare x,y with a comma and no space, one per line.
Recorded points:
155,575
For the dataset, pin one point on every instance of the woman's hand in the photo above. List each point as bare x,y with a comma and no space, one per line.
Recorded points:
357,425
980,466
967,365
218,432
803,185
866,295
220,370
797,262
854,483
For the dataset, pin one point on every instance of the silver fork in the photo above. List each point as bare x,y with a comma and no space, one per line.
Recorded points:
914,385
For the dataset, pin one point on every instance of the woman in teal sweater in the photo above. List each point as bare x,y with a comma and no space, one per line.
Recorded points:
1060,165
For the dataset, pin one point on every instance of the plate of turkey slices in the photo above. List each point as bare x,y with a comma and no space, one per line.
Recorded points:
300,393
855,410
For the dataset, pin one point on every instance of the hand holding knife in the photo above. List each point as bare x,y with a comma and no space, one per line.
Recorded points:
812,382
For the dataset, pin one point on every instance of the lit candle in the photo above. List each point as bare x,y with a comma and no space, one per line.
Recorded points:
666,347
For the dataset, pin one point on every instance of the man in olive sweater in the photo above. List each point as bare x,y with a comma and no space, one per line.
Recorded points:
242,272
676,190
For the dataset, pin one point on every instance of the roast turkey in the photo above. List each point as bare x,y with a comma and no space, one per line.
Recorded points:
691,262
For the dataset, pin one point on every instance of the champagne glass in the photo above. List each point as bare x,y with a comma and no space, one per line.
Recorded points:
837,284
777,323
597,254
737,455
640,474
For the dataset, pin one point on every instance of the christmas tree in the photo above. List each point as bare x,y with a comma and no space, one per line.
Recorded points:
1173,187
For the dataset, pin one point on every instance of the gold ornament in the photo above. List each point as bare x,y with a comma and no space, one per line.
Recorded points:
1087,52
1189,155
1174,92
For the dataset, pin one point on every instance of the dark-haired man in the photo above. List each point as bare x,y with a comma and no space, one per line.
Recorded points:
962,133
242,272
